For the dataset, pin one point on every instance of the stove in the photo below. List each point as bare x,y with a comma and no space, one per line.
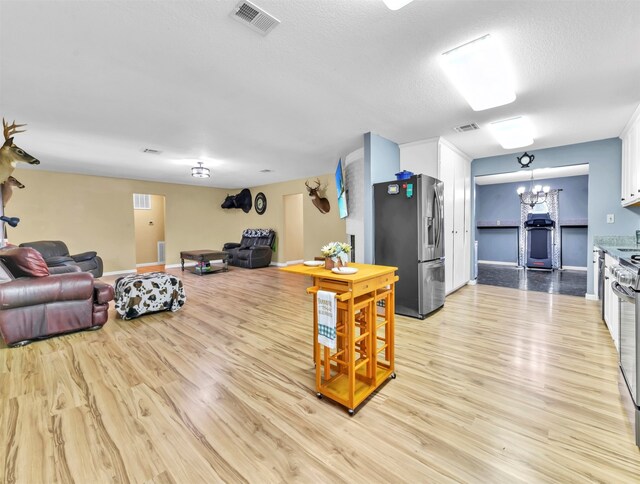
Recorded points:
628,272
626,286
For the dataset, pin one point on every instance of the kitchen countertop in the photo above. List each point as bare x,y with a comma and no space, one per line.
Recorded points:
615,252
612,244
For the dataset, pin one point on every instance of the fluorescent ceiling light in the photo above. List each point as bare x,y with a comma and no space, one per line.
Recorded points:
396,4
479,71
512,133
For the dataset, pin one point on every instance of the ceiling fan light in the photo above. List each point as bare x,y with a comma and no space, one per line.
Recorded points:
200,171
480,72
537,188
396,4
546,188
512,133
521,190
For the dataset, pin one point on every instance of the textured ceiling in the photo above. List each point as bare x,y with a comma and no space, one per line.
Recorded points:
98,81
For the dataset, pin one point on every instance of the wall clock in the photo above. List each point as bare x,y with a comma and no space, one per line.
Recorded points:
260,203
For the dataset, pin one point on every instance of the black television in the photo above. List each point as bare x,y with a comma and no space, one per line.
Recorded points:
340,187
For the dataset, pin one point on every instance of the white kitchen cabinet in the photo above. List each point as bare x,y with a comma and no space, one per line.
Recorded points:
630,170
438,158
611,304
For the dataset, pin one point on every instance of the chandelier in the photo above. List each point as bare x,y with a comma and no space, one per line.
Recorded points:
536,194
200,171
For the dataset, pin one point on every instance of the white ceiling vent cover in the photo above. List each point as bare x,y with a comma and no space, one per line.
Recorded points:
466,127
254,17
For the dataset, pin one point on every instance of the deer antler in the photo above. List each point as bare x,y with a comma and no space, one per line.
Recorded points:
10,130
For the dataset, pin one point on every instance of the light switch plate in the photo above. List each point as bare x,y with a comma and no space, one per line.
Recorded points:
610,218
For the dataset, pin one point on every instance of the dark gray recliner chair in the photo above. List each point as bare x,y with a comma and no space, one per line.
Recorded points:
254,250
56,254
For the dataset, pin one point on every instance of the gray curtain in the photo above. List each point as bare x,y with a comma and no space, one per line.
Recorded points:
551,206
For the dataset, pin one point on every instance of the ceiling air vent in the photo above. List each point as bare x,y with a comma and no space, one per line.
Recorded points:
266,171
151,151
466,127
254,17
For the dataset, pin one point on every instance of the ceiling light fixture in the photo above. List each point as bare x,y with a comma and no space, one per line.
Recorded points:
200,171
479,71
396,4
513,132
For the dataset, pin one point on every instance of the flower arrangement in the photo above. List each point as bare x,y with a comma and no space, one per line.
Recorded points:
338,252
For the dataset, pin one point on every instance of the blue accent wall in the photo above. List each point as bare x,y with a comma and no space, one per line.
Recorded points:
499,205
381,163
575,244
604,159
498,244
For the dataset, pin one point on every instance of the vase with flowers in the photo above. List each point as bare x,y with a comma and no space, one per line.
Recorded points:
336,254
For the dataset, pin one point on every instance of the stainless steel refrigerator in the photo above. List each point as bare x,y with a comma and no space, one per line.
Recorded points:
409,234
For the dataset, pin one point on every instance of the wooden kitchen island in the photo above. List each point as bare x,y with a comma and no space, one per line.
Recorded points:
364,355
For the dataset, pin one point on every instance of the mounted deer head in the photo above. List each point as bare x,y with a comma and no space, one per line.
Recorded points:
320,203
10,154
7,189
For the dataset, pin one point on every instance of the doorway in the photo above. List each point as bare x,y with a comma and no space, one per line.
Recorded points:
503,203
149,224
293,228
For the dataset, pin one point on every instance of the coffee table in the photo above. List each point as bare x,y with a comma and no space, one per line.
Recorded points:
206,255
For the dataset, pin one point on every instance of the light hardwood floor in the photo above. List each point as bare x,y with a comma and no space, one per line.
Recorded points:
499,386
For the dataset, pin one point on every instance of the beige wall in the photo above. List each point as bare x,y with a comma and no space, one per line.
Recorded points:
319,228
149,230
95,213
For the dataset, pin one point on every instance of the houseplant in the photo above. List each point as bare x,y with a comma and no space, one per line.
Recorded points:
336,254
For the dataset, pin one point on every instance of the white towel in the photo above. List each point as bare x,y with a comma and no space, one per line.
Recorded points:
327,310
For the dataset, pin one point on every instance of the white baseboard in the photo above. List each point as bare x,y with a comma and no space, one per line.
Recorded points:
472,282
591,297
574,268
147,264
278,264
498,263
117,273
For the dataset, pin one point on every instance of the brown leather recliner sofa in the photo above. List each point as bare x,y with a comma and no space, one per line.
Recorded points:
56,254
36,305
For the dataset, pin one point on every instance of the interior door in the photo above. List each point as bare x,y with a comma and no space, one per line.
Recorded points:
293,227
447,173
459,262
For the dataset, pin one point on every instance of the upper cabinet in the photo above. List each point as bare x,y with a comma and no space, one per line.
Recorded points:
630,187
438,158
